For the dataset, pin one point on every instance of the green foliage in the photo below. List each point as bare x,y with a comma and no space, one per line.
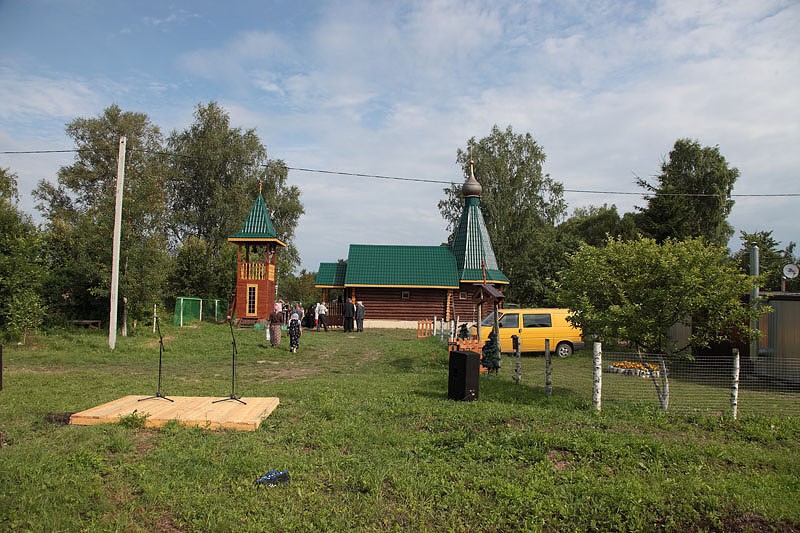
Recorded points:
490,353
215,179
79,211
692,196
299,288
594,225
635,291
199,272
286,209
21,273
520,205
203,192
135,420
214,184
771,260
372,444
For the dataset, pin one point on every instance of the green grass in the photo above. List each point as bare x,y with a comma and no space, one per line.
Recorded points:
371,443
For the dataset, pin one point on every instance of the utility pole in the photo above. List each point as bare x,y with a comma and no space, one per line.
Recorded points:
112,323
754,271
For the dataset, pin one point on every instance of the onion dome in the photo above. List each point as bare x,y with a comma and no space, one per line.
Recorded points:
471,187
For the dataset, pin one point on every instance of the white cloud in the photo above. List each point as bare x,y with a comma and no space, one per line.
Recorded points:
232,64
24,95
395,88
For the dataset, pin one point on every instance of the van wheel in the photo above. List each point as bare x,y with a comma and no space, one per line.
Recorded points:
564,349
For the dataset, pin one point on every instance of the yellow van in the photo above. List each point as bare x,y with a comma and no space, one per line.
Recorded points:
533,326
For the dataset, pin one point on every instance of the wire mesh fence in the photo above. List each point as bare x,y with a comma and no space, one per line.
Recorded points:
706,384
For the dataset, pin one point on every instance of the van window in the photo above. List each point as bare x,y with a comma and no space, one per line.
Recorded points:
537,321
510,320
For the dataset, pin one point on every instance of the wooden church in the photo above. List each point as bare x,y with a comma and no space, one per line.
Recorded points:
409,283
258,244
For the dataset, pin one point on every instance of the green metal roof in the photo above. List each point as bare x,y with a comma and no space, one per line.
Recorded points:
472,246
331,275
400,266
258,225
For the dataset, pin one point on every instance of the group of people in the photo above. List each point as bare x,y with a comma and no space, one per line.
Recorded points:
353,312
293,317
294,325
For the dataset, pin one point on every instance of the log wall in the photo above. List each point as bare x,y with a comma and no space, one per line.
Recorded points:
465,308
389,304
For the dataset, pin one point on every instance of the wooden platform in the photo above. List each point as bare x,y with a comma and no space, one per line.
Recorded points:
186,410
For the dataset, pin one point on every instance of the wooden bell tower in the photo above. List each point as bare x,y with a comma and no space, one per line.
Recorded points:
255,266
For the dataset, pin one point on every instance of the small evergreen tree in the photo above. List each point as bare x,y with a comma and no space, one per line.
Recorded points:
491,354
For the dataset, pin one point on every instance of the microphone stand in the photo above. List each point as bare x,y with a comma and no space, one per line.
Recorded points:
233,370
160,352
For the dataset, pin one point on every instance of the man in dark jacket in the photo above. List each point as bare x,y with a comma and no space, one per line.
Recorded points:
349,313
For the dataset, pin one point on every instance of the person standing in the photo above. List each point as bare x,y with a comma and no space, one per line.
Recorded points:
299,310
322,313
285,311
295,329
349,312
360,316
275,321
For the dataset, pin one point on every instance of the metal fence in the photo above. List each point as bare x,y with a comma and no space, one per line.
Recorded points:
708,384
716,385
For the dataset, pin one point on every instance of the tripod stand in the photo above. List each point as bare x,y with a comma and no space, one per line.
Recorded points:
160,352
233,370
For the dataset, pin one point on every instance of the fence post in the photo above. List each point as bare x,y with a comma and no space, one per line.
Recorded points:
548,369
597,386
735,386
518,365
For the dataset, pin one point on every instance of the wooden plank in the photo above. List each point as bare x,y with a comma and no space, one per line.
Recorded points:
186,410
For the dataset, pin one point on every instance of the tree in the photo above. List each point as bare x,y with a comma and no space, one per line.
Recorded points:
635,291
300,288
79,211
20,270
594,225
520,204
196,273
771,259
215,178
692,197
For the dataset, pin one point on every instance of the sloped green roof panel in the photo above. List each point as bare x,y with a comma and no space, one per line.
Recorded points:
476,275
331,275
257,225
400,266
472,247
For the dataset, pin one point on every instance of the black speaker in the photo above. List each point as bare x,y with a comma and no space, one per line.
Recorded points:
464,374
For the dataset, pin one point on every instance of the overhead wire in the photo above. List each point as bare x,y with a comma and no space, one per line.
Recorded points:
417,180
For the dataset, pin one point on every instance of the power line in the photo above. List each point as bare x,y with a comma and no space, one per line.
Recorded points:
419,180
376,176
17,152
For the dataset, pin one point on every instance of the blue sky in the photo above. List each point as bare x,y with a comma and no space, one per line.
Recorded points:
395,88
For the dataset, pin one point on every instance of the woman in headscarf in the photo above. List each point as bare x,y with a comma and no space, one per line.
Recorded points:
295,330
275,320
